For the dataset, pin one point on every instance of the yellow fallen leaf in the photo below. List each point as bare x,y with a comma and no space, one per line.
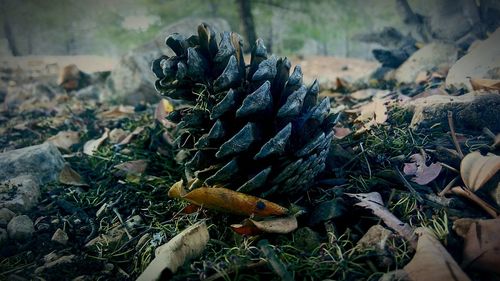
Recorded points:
227,200
71,177
477,169
92,145
431,261
64,139
485,84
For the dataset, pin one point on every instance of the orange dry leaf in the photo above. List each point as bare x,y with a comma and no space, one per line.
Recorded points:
485,84
227,200
431,261
477,169
482,246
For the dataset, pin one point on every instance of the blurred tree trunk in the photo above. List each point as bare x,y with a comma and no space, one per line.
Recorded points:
7,29
247,23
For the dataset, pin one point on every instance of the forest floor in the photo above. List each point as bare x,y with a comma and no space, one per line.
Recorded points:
113,206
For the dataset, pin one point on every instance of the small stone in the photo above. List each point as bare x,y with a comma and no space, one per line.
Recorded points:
5,216
60,237
20,228
327,210
64,261
19,194
3,237
376,237
133,222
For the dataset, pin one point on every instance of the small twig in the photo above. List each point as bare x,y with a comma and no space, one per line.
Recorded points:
366,159
489,133
448,187
408,185
449,167
458,190
115,210
454,135
232,270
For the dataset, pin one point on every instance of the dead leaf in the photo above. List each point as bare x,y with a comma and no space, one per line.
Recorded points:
477,169
169,257
128,138
341,133
117,112
227,200
485,84
462,226
71,177
190,209
431,261
373,201
252,227
375,110
117,135
482,246
368,93
423,174
64,139
135,167
163,108
92,145
459,190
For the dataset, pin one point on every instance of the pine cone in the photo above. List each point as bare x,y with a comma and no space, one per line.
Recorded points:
253,128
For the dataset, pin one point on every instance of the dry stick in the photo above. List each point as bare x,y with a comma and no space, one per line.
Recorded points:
449,167
454,135
232,270
366,159
447,188
408,185
474,198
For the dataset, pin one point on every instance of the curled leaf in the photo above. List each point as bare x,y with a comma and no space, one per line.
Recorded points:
65,139
431,261
71,177
128,138
274,225
477,169
91,146
170,256
135,167
227,200
117,112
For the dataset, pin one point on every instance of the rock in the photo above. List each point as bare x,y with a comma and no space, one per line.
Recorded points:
65,261
20,228
327,210
44,162
19,194
429,57
71,78
5,216
60,237
376,239
472,111
3,237
483,61
132,80
306,239
91,92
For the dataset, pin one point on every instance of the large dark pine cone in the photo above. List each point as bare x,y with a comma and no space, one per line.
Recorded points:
253,128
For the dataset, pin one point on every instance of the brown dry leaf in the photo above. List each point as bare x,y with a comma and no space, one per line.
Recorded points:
71,177
462,226
477,169
117,135
375,110
135,167
423,174
227,200
485,84
252,227
373,201
128,138
482,246
186,245
431,261
64,139
162,110
341,133
117,112
92,145
368,93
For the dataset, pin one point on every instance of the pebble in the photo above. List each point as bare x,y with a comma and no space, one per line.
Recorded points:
20,228
5,216
60,236
3,237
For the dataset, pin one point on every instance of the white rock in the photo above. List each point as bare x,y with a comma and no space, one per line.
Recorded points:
20,228
482,61
434,55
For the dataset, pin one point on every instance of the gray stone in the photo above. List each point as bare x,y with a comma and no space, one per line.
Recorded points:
3,237
132,80
19,194
482,61
44,162
472,111
5,216
20,228
60,237
429,57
